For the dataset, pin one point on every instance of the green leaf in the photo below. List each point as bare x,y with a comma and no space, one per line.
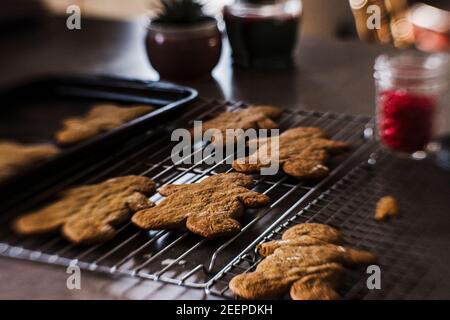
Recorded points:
181,12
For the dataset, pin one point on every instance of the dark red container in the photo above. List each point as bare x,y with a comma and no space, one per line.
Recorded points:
263,34
184,52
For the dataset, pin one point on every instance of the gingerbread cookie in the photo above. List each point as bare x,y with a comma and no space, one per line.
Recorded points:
386,207
301,153
307,269
88,214
101,118
209,208
14,156
304,234
253,117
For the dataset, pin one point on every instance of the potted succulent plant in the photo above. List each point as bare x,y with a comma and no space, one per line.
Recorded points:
183,42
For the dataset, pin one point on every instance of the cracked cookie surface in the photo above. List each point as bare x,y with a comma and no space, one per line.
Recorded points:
210,208
88,214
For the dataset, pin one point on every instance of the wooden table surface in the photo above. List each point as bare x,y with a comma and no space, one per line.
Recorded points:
329,76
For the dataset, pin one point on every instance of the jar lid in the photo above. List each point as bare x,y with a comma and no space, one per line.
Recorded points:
261,2
266,8
412,65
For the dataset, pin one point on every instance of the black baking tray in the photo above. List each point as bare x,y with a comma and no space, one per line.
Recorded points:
33,112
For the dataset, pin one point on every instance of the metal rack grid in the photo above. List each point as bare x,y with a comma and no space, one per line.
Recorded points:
179,257
413,250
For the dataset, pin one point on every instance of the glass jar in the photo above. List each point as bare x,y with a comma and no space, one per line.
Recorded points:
409,91
263,33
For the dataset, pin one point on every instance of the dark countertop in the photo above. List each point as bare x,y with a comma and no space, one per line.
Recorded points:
330,76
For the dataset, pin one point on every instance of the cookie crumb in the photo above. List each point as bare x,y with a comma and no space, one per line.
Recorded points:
386,207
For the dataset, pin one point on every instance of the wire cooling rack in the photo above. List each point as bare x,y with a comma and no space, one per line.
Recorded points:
344,199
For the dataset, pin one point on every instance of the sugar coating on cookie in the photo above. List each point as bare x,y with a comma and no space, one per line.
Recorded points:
210,208
88,214
100,118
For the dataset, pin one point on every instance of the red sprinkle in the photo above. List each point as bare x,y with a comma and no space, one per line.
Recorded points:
405,120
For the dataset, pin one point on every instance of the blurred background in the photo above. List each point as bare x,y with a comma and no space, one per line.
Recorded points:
324,18
32,45
321,18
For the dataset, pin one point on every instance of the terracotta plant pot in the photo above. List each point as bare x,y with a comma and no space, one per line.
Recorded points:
183,52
